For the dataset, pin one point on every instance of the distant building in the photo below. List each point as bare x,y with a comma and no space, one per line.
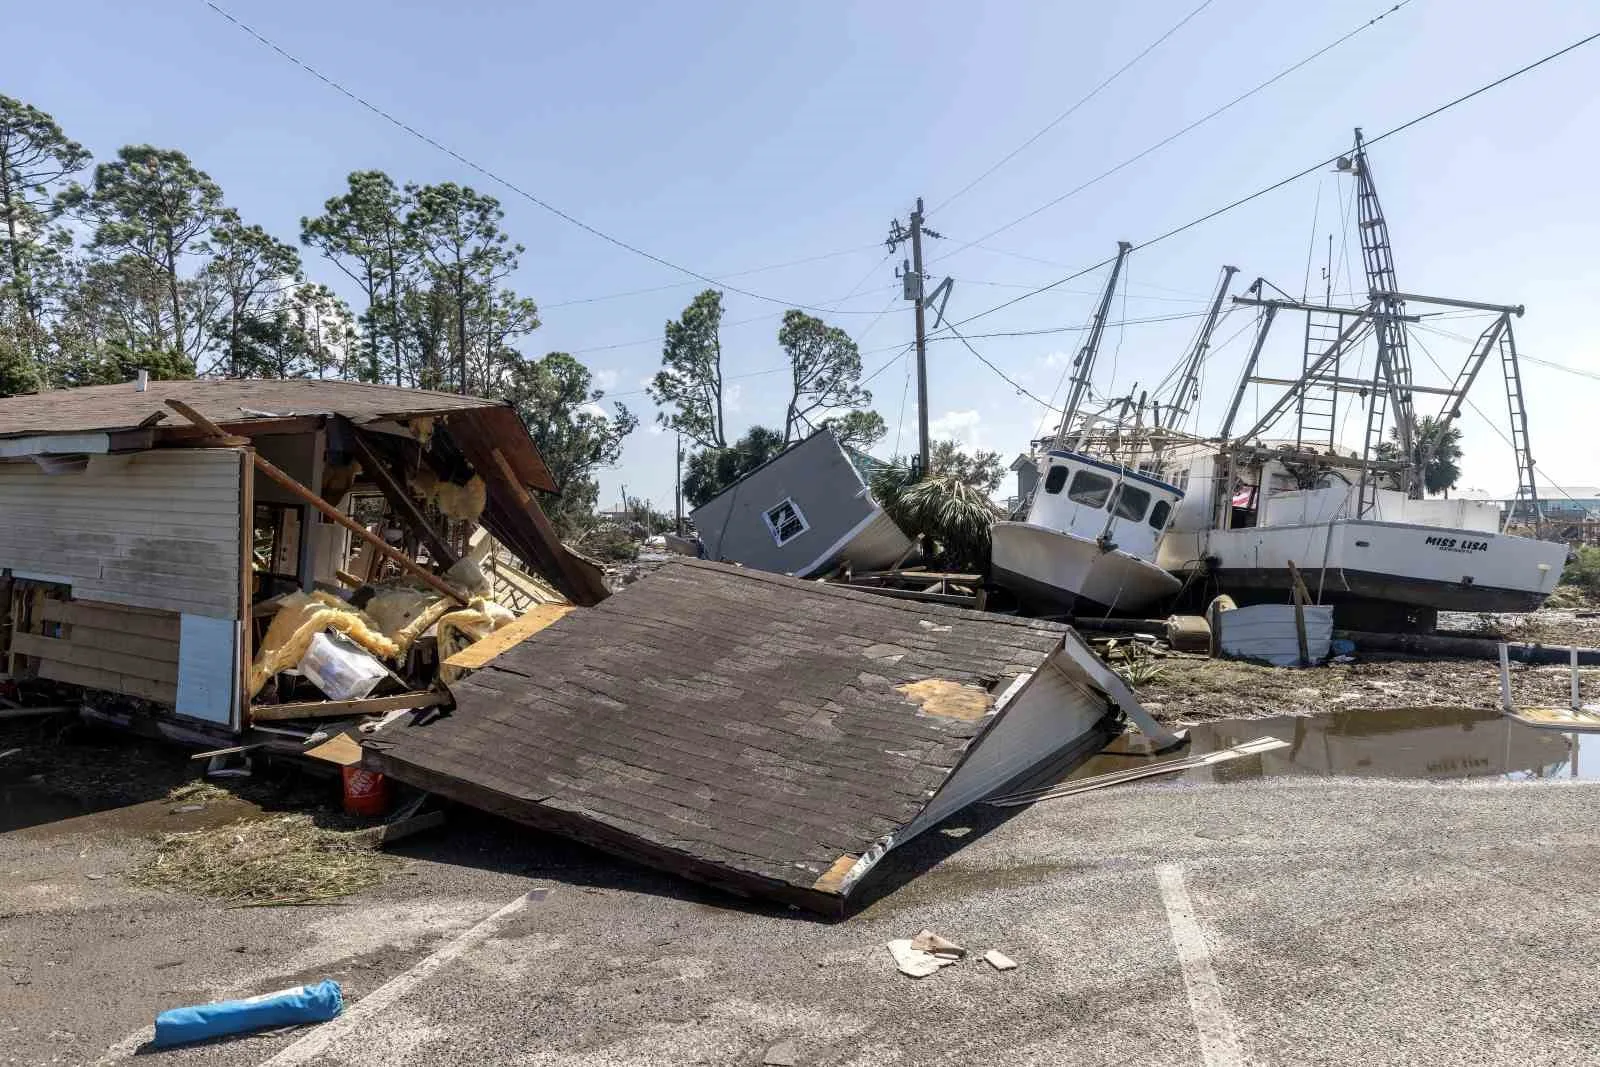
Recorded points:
1573,503
803,512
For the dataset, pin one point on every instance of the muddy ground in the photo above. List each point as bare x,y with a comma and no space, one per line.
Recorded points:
1195,689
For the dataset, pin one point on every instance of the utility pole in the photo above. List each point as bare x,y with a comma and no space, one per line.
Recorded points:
912,284
677,491
922,339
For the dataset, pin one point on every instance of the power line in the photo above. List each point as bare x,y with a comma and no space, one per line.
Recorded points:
492,176
659,338
1241,98
1059,119
1003,375
1201,220
733,274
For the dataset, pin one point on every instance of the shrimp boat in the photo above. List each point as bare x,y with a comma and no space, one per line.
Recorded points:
1358,522
1090,533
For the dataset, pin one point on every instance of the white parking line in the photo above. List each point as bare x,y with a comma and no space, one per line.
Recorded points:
1219,1043
319,1040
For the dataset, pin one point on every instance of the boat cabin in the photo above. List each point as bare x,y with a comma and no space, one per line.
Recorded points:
1103,502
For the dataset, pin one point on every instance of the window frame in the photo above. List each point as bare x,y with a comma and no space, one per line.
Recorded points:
776,528
1084,472
1166,516
1066,472
1117,496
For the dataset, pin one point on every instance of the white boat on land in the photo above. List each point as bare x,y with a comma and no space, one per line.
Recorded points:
1358,524
1099,508
1090,538
1397,565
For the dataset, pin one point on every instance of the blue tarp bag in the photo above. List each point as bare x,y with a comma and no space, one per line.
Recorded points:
302,1004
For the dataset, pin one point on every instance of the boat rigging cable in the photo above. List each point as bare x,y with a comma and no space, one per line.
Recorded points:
1476,410
1275,186
1196,124
1059,119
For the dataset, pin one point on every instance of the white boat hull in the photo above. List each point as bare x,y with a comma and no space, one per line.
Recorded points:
1050,567
1429,567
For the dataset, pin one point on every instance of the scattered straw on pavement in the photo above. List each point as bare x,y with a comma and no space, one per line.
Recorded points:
282,860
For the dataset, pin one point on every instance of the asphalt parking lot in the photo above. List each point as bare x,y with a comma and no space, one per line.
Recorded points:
1288,921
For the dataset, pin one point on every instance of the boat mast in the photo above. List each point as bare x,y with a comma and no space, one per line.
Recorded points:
1393,373
1083,365
1188,390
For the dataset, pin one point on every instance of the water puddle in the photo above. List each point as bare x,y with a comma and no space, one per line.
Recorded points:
1421,743
29,804
33,807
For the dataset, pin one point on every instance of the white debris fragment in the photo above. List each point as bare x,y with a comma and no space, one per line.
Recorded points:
999,960
924,954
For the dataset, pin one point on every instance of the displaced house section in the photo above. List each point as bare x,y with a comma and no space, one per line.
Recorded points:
803,512
150,533
760,733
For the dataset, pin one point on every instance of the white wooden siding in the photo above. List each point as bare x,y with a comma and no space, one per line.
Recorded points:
154,529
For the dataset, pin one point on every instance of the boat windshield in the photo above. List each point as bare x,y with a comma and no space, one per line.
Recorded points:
1130,502
1090,489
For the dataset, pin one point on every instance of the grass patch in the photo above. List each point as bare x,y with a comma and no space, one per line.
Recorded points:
283,860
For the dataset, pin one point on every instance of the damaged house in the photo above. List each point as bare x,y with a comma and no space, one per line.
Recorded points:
804,512
150,532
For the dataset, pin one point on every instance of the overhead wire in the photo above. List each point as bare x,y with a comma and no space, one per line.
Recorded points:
1059,119
1273,187
731,274
495,177
1197,123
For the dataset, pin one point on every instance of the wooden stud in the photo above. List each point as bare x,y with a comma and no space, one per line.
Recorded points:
399,499
329,709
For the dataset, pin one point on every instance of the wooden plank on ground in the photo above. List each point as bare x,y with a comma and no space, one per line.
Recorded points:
109,681
162,624
324,709
508,636
62,650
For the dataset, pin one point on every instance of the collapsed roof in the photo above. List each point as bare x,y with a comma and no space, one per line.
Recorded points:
764,734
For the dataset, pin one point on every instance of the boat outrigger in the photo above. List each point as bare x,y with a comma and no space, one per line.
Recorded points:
1128,512
1359,524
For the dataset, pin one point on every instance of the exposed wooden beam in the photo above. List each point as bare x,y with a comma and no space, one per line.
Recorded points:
582,589
223,437
335,709
399,499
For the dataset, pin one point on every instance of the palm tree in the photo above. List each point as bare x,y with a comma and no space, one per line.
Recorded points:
1443,469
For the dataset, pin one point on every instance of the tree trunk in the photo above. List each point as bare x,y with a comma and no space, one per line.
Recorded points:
716,431
8,198
461,323
177,301
394,317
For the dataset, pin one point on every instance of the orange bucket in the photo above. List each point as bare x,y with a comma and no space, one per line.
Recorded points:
365,792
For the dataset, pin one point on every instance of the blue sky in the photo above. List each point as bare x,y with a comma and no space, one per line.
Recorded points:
732,136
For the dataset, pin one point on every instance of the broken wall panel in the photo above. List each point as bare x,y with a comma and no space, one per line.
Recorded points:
150,529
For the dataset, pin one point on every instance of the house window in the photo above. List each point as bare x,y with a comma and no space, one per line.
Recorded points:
1090,489
1160,514
786,522
1056,479
1129,502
